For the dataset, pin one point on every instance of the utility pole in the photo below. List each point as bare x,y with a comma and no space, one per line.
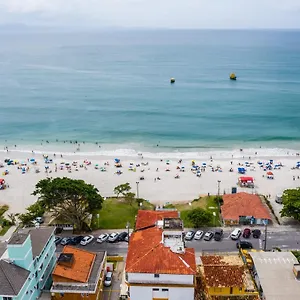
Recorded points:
219,181
128,226
266,229
137,190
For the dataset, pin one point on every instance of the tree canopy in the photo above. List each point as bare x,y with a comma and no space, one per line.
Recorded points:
199,217
291,203
122,189
72,200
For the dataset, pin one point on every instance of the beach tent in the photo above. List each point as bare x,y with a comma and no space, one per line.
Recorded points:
241,170
246,181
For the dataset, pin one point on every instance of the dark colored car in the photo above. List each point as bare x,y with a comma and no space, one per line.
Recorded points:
57,240
65,241
122,236
244,245
246,233
76,240
256,233
218,234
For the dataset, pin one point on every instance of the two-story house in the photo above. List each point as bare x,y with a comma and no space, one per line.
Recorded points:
158,265
27,264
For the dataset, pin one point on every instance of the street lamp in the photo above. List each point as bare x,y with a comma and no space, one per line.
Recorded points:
137,190
127,227
219,181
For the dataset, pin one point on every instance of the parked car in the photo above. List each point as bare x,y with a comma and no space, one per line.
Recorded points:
189,235
198,235
108,279
246,233
218,234
244,245
76,240
256,233
65,241
208,236
122,236
236,234
113,237
57,240
102,238
86,240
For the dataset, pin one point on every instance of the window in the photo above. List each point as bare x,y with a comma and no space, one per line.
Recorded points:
7,298
165,290
155,290
156,275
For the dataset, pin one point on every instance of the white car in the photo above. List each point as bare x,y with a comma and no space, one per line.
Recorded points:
198,235
102,238
108,279
113,237
86,240
236,234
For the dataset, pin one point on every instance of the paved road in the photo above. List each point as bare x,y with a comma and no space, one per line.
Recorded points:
281,239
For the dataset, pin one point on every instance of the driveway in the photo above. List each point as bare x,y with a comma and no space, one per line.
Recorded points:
113,292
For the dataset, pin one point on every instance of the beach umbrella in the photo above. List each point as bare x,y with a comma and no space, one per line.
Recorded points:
32,159
117,160
269,173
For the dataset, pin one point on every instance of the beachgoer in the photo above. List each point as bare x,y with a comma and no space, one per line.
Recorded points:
61,155
294,178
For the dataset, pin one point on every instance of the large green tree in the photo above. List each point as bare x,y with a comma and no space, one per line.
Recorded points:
69,199
291,203
122,189
199,217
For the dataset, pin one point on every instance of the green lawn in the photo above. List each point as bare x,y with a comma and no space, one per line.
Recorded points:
4,229
203,202
115,213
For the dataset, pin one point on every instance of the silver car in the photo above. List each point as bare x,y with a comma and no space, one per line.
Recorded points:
198,235
113,237
102,238
108,279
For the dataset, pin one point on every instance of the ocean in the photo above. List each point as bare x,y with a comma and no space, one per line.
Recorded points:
113,87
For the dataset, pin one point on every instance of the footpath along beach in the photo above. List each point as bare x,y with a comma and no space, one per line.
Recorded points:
155,175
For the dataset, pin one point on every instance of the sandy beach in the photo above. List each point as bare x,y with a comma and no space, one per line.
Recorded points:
168,189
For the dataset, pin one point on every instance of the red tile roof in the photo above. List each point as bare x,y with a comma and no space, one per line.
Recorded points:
243,204
147,218
147,254
219,273
81,268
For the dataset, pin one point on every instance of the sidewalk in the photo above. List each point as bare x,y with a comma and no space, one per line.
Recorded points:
8,234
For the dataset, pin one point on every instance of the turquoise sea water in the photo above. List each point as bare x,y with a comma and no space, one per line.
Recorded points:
113,87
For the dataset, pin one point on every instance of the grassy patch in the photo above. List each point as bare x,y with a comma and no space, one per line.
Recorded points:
4,229
3,209
115,214
204,202
297,255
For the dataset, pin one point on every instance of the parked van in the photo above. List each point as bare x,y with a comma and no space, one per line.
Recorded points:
278,198
236,234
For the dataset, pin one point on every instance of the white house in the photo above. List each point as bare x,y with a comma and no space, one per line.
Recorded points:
158,266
